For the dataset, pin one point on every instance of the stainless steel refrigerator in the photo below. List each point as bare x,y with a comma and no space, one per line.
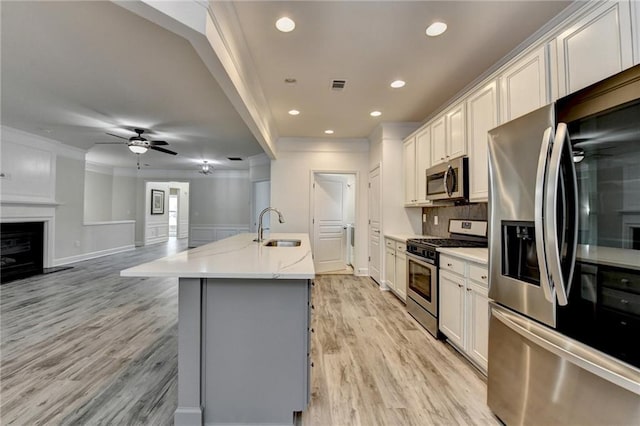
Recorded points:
564,260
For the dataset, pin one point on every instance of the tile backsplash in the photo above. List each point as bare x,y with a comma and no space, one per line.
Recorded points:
470,211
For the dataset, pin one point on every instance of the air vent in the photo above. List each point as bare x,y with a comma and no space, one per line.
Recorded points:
338,84
234,158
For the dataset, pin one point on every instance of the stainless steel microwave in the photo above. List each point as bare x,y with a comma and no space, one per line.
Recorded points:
448,181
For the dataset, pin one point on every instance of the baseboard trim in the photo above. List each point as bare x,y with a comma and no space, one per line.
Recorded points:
362,272
92,255
187,416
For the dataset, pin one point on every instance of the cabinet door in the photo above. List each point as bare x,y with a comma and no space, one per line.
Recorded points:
389,267
438,141
451,312
456,134
401,274
482,116
410,171
423,151
596,46
524,86
477,327
635,27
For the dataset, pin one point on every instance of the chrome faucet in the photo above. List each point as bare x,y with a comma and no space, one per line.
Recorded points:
260,228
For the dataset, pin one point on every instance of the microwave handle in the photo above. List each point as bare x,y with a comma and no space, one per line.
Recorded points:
446,180
541,249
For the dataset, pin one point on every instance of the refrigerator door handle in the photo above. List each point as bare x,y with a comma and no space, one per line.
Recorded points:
538,215
552,243
599,364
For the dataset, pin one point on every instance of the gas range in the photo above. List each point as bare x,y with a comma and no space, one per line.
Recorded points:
464,233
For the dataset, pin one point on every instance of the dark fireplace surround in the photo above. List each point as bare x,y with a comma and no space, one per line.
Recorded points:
22,250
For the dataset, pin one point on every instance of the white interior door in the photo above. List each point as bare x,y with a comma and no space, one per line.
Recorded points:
374,224
328,213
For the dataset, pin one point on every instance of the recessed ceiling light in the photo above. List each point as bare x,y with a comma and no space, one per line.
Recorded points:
329,132
397,84
375,113
294,112
285,24
436,29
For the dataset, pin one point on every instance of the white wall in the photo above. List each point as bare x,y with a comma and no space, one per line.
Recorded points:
221,199
292,171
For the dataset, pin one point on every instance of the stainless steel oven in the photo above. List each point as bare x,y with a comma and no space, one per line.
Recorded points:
448,181
422,291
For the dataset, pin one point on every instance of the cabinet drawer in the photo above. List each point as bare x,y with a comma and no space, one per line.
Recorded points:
479,274
402,247
390,243
452,264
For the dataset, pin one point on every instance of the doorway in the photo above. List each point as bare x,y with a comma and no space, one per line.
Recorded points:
333,212
174,194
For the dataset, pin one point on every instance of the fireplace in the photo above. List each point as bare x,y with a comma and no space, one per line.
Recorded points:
22,250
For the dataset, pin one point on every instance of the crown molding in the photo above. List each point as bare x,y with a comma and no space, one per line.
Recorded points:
322,145
21,137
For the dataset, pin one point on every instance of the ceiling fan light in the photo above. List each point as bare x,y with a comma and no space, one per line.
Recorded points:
137,149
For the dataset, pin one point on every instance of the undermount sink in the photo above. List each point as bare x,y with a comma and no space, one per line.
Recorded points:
283,243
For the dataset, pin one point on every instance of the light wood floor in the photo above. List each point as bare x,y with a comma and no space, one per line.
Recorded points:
84,346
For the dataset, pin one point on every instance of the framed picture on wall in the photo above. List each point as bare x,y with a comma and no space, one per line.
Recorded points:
157,201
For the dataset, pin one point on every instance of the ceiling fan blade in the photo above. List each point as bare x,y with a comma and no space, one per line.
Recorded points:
166,151
108,143
117,136
156,143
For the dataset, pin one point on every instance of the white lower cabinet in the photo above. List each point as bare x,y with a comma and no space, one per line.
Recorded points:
464,307
395,272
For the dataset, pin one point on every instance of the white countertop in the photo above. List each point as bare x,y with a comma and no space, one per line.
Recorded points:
235,257
403,237
622,258
479,255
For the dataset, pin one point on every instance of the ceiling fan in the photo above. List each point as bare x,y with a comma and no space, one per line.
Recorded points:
139,144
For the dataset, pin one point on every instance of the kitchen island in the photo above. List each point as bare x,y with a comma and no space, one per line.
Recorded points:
243,329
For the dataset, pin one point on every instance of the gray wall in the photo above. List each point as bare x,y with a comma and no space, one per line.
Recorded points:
471,211
220,201
69,214
124,198
98,192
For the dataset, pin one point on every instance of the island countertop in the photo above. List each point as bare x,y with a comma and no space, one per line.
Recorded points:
235,257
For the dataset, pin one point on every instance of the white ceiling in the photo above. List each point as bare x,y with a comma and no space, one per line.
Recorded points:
72,71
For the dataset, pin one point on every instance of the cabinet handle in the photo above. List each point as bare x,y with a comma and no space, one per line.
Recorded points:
313,283
442,158
459,285
484,277
313,307
312,330
449,264
312,365
468,289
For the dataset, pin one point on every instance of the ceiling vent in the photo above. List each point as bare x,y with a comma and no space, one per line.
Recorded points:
234,158
338,84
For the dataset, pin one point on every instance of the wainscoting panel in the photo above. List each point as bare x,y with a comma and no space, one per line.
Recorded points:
156,233
203,234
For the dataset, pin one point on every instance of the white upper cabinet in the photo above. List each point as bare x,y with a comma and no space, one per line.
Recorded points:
423,162
438,141
635,27
594,47
417,158
456,134
524,85
409,156
482,116
448,135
